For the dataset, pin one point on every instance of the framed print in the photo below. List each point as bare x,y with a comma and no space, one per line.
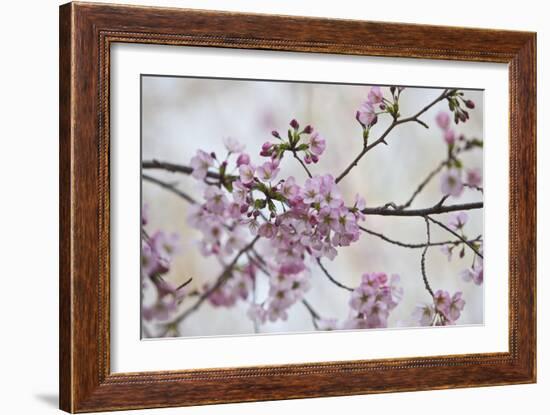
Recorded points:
341,207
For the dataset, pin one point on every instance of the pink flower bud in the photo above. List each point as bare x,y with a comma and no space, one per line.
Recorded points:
308,129
470,104
294,124
243,159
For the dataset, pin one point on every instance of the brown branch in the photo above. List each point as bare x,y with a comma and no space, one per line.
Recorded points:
331,278
303,164
178,168
413,245
382,138
219,282
170,188
470,245
434,210
423,259
423,184
314,315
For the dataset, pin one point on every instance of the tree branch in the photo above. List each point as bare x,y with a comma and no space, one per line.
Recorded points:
178,168
302,163
331,278
470,245
423,184
413,245
170,188
423,259
434,210
382,138
314,315
219,282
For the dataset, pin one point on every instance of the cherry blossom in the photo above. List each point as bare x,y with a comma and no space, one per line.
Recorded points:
458,220
451,183
200,163
473,177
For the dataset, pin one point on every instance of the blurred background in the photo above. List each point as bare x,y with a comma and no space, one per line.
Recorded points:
182,115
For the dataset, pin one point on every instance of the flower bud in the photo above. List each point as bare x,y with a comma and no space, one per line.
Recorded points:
275,134
470,104
243,159
294,124
308,129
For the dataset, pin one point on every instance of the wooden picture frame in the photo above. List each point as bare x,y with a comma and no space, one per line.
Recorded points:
86,33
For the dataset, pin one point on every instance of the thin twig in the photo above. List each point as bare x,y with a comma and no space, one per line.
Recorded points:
423,259
412,245
169,187
184,284
314,315
331,278
178,168
382,138
423,184
303,164
470,186
470,245
219,282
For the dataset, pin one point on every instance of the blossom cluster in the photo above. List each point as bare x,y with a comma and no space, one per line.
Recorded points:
300,220
444,311
455,179
370,303
308,142
287,285
160,297
376,104
238,286
475,272
373,300
458,104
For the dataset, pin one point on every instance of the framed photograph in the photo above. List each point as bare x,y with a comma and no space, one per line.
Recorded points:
259,207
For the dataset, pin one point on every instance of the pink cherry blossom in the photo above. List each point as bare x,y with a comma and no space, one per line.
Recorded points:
458,220
474,274
424,314
289,188
375,95
442,301
243,158
166,245
317,144
246,173
448,251
456,306
443,120
200,163
473,177
367,114
233,145
449,136
267,171
451,183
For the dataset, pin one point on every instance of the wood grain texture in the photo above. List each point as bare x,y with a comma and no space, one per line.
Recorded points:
86,33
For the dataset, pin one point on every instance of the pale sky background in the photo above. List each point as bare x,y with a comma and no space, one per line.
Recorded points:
181,115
